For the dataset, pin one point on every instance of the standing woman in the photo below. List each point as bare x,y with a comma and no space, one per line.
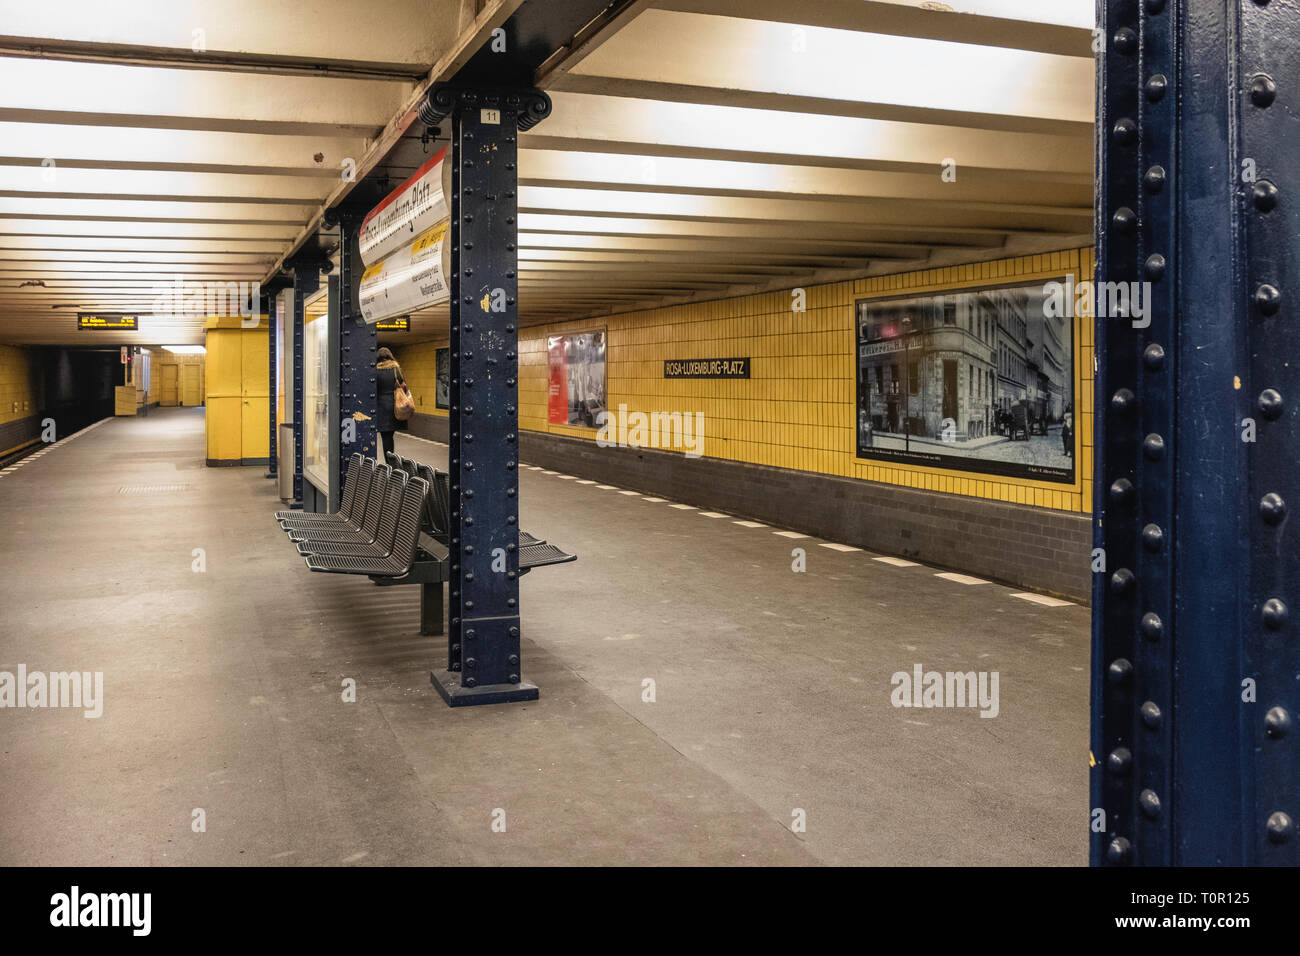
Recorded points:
388,377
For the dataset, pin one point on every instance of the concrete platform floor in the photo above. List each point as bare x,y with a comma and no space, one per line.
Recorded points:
222,690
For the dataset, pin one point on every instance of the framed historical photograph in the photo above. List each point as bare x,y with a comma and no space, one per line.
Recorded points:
979,380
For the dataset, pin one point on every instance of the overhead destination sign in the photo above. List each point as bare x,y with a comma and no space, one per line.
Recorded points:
400,324
115,321
412,208
413,277
706,368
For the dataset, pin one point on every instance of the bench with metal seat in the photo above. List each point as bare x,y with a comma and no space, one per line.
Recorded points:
395,527
398,562
357,480
438,520
540,555
369,524
385,534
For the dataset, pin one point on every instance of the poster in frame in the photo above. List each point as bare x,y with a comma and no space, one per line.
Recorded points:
576,378
976,380
442,379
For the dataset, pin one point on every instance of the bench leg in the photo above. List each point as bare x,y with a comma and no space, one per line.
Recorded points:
431,608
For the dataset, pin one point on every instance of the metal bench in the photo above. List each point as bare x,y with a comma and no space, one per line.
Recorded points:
385,534
393,525
541,554
401,557
351,483
369,524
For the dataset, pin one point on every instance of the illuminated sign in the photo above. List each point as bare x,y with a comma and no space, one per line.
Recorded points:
108,320
401,323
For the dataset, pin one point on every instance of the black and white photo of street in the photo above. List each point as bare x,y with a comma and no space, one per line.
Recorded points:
984,378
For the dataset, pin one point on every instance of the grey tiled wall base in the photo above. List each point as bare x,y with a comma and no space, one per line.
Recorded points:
1034,548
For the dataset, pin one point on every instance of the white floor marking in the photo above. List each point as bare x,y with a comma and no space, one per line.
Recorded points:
545,472
569,477
898,562
683,507
608,487
1044,600
959,578
712,514
749,524
790,534
585,481
655,500
629,492
839,547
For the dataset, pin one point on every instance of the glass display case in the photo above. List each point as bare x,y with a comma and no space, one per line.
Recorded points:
316,393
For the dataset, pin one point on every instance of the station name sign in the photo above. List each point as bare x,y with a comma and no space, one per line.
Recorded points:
401,323
706,368
108,320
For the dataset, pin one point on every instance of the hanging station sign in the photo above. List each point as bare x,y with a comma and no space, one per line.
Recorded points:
115,321
404,245
413,277
412,208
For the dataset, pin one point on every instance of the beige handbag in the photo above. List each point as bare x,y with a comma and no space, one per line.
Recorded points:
403,405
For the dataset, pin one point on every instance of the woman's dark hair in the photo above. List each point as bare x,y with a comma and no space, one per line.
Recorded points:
384,354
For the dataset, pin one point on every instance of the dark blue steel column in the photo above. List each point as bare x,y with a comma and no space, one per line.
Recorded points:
270,296
1195,661
1266,94
484,664
357,348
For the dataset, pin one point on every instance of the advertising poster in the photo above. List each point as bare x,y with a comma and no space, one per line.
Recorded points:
442,387
980,380
576,378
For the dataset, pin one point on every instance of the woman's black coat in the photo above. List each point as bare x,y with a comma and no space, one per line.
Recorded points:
385,382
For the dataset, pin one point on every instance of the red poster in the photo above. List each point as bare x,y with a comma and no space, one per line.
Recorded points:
557,402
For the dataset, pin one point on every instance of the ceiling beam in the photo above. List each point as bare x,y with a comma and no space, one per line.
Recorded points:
693,93
907,19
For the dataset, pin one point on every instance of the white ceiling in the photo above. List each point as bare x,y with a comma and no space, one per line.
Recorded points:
697,148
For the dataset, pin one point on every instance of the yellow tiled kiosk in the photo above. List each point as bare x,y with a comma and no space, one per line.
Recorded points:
238,392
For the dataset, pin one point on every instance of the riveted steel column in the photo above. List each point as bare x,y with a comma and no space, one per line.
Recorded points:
1190,767
357,349
484,637
1267,96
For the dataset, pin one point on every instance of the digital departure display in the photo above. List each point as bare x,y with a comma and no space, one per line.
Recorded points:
114,321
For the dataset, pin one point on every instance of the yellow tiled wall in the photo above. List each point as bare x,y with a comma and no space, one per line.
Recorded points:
18,383
798,408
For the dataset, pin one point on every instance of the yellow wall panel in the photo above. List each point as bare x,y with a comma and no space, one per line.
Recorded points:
237,393
225,364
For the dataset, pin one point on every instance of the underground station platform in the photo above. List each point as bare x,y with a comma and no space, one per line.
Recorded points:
647,433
